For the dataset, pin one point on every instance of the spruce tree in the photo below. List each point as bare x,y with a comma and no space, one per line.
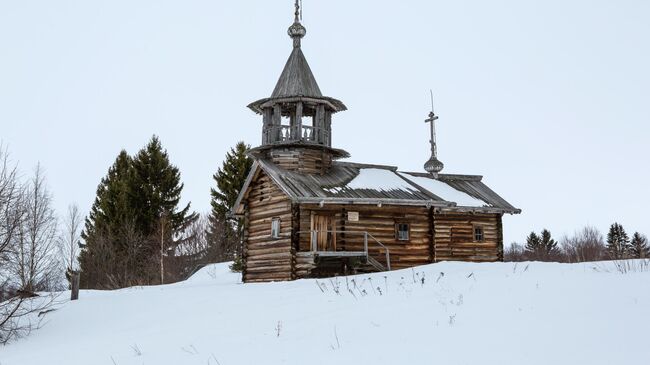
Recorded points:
230,178
541,247
134,214
618,242
639,248
533,243
111,210
224,233
156,193
549,245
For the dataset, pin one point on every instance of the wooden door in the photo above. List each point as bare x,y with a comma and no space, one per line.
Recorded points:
325,232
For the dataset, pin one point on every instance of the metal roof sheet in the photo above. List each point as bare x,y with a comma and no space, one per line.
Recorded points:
347,182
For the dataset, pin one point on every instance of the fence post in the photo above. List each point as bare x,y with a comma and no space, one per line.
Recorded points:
74,278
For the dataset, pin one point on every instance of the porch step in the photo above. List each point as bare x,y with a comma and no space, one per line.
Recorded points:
376,264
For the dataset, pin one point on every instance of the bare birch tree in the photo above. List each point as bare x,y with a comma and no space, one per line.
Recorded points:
11,212
585,245
33,258
28,251
70,239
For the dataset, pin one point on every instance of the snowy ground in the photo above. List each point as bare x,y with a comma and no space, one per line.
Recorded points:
500,313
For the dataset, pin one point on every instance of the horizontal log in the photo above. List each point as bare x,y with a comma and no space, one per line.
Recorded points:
270,257
259,215
258,252
270,268
265,237
267,276
284,243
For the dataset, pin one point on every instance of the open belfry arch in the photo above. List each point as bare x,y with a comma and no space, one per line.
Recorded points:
306,214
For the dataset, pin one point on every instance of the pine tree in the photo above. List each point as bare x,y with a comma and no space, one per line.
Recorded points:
618,242
111,210
156,193
639,248
549,245
229,179
135,221
541,247
533,243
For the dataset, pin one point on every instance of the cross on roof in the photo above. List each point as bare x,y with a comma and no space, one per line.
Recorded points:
433,165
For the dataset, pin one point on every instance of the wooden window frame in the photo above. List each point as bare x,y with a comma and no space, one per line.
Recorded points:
474,233
276,235
408,231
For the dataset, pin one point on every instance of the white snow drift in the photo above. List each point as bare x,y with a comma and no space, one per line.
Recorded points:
446,313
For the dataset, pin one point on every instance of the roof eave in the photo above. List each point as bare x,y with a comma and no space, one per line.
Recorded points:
333,104
237,208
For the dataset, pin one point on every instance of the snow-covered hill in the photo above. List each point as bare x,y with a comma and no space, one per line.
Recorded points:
445,313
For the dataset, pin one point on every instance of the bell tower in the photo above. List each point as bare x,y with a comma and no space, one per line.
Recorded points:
297,118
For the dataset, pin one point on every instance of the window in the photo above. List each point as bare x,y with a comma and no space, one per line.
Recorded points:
275,228
478,234
402,231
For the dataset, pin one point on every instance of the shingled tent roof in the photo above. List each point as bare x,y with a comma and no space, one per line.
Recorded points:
296,78
296,81
352,183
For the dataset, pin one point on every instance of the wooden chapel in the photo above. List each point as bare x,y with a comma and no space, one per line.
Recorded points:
307,214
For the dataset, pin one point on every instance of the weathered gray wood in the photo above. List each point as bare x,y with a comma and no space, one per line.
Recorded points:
74,280
296,179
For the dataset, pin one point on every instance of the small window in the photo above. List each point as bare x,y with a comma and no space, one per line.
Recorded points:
478,234
402,230
275,228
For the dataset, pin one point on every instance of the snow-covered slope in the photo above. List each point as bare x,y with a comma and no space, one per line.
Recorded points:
446,313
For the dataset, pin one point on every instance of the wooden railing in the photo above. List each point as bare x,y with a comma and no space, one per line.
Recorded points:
368,240
304,133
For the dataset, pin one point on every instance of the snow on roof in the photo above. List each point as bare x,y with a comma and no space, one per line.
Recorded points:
378,179
446,192
363,183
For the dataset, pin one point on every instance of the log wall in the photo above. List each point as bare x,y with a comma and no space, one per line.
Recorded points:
380,223
304,160
433,236
267,258
454,237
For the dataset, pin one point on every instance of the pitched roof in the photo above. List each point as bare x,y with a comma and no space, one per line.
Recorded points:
296,78
352,183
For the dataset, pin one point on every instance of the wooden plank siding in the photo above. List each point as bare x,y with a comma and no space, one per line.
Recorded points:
267,258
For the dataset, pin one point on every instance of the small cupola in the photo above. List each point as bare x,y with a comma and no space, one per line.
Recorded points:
297,118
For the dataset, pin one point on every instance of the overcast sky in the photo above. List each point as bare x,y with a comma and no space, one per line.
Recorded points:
548,100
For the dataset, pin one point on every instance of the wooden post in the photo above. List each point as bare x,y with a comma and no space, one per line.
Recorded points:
365,242
500,237
344,218
295,237
244,244
268,134
328,128
298,126
432,237
319,124
74,278
276,120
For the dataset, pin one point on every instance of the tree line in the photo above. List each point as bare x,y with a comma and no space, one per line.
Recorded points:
135,233
585,245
